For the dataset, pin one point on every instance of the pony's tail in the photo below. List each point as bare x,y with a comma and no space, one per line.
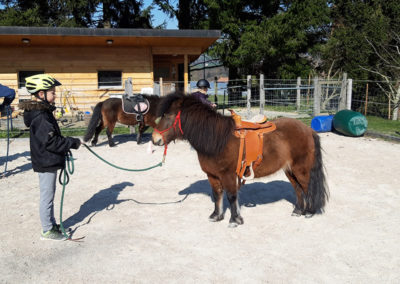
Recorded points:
94,122
318,193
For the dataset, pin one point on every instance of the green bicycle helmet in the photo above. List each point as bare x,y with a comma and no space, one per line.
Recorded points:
40,82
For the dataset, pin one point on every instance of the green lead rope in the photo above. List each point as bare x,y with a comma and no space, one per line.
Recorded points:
69,168
124,169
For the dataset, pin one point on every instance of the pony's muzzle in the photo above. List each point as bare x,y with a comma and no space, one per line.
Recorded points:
157,139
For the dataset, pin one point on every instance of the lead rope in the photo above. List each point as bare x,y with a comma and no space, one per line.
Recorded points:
125,169
68,169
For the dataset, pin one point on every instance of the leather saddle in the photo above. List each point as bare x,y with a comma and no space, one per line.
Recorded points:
251,134
135,104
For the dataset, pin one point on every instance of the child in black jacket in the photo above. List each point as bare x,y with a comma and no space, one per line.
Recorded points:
48,147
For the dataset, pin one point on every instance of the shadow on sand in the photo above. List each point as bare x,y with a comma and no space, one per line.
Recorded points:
105,199
250,195
124,138
17,170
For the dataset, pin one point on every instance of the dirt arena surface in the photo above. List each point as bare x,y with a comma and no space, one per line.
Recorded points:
152,227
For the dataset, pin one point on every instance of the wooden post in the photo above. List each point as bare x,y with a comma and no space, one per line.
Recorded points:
317,97
366,101
161,87
342,99
262,94
185,73
129,87
298,95
349,89
248,96
216,90
308,90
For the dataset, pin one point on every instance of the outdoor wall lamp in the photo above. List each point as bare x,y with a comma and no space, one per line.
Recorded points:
26,40
109,41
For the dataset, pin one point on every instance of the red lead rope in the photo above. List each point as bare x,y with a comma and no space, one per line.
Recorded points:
177,119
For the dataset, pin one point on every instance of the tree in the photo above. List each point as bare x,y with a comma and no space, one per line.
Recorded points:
352,22
189,13
124,14
388,68
75,13
268,36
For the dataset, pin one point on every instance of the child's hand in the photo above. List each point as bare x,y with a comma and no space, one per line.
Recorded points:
83,142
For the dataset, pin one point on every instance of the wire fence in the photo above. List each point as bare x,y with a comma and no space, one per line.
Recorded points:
374,98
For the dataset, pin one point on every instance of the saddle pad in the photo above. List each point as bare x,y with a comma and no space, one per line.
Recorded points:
135,104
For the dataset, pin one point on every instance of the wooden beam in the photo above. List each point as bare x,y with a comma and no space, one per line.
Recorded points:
170,50
186,73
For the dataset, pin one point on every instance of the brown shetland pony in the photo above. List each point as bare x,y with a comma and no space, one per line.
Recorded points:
293,147
106,114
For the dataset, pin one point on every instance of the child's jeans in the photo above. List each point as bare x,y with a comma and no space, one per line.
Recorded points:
47,183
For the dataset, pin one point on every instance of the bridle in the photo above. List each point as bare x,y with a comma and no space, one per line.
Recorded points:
161,132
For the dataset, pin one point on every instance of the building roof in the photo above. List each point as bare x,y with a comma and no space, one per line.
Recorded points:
12,36
205,61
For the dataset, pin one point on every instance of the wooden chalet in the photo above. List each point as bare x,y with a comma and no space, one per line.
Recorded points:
93,64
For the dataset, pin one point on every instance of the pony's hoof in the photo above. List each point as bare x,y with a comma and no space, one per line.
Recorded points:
297,213
309,214
232,225
94,143
215,217
112,144
235,221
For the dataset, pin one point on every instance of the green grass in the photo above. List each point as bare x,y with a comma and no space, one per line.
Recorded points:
383,126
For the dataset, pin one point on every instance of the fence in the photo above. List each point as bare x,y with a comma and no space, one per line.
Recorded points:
277,97
373,98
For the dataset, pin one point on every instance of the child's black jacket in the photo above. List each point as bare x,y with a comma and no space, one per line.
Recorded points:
48,146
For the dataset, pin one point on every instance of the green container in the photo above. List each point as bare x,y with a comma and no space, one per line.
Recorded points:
350,123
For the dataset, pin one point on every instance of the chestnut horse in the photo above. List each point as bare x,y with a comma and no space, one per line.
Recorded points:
293,147
107,113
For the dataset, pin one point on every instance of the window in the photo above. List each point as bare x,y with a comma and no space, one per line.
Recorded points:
24,74
109,79
161,71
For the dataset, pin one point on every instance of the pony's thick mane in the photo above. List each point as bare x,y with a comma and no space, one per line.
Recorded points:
205,129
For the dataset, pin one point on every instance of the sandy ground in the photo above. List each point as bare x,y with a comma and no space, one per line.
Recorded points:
152,227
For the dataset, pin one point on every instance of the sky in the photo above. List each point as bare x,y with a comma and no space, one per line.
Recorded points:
159,16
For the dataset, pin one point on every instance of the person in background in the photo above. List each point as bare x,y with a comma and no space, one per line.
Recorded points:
203,85
47,147
9,95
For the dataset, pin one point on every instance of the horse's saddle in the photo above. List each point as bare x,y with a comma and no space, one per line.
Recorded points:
251,134
135,104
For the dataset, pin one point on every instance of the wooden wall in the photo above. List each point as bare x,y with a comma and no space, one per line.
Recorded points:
76,68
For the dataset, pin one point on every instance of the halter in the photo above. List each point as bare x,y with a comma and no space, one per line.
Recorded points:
161,132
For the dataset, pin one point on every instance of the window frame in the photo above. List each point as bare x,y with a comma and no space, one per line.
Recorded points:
100,84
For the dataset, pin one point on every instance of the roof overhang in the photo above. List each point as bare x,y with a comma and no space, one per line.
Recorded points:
51,36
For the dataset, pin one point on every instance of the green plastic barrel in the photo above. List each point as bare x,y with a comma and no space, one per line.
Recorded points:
350,123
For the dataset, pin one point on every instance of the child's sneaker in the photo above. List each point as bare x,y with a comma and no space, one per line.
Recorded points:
53,235
57,227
